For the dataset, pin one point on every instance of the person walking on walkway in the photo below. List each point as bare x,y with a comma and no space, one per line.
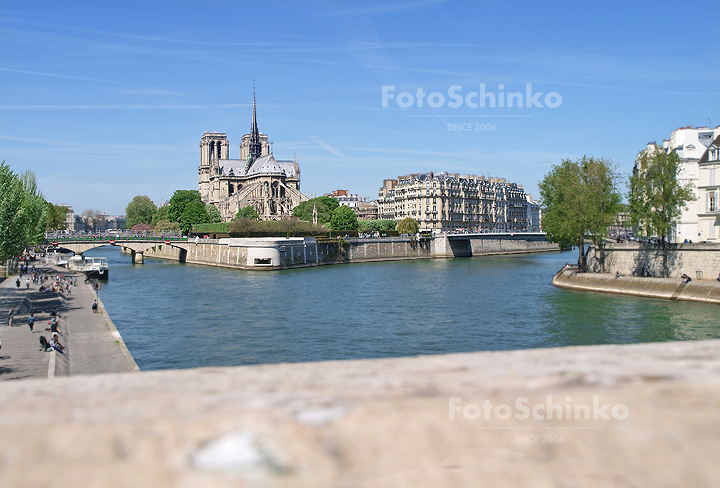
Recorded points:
17,282
94,306
27,284
11,312
31,322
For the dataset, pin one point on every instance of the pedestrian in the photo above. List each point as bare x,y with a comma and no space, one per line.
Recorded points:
17,282
27,284
11,312
31,321
94,306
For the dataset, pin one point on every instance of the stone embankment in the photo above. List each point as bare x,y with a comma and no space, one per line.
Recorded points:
666,288
635,415
282,253
93,344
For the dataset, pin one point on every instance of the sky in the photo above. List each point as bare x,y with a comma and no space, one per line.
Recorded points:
104,101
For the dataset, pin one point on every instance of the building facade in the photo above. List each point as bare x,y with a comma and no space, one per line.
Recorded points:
257,179
442,201
709,193
690,144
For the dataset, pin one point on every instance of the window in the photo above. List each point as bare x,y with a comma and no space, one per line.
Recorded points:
711,202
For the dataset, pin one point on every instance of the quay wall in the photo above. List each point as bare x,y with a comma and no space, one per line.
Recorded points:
666,288
699,261
283,253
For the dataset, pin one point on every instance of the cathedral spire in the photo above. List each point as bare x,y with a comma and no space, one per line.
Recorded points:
255,147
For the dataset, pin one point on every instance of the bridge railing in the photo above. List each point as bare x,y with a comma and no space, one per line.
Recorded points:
113,236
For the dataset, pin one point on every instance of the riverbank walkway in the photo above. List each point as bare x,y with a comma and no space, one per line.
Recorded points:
92,343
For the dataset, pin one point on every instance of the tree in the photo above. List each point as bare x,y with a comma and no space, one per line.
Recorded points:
139,210
248,212
56,217
601,199
163,225
178,202
580,197
23,212
12,239
330,202
194,213
304,211
160,214
34,211
377,224
141,227
408,225
343,218
657,198
213,213
93,218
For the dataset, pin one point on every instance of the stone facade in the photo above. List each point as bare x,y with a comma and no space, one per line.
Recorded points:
257,179
699,261
708,191
690,144
450,201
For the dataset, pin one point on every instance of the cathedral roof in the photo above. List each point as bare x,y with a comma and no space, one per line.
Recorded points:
262,165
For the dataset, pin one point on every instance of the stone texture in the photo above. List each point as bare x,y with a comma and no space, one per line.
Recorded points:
380,423
682,258
667,288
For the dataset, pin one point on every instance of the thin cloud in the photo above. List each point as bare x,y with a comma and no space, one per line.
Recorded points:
56,75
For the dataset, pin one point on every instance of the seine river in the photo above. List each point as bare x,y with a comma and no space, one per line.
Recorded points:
175,315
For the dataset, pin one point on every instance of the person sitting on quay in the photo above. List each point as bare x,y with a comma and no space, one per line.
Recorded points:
55,344
718,278
686,279
617,274
53,326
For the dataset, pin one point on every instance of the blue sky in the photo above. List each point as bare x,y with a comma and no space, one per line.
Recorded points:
108,100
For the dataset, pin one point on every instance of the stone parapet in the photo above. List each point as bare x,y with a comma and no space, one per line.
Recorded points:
432,421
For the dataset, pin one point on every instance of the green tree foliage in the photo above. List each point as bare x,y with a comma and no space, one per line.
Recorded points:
56,217
93,218
343,218
248,212
408,225
160,214
34,211
213,213
163,225
178,202
23,212
580,197
139,211
657,198
194,213
304,211
243,227
379,225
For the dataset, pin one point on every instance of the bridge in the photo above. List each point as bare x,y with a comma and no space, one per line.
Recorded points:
137,246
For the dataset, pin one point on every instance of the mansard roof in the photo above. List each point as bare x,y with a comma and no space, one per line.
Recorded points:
705,156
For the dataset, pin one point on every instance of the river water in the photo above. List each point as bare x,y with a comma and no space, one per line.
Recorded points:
174,315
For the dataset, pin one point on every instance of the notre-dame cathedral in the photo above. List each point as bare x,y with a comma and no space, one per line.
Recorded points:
257,179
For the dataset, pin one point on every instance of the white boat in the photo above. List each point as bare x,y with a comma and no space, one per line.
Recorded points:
92,267
56,259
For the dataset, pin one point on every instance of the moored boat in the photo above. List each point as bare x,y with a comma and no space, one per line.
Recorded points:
92,267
